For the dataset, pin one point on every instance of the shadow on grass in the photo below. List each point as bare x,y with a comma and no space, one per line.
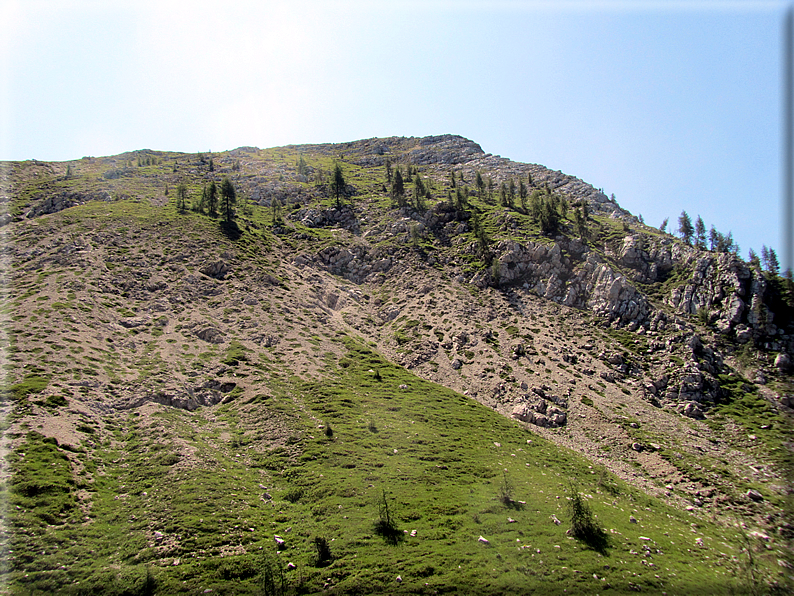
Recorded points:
511,504
583,524
389,532
595,538
231,230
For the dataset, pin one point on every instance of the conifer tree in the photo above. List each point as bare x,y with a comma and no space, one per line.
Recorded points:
753,260
714,238
663,227
338,184
769,257
228,199
181,196
212,199
685,228
419,193
580,222
522,194
700,233
503,195
480,183
398,188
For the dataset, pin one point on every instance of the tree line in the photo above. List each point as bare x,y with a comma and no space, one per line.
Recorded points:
715,241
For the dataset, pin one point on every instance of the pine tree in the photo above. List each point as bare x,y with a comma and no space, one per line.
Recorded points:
753,259
700,233
275,205
212,199
663,227
301,165
398,188
503,195
769,257
419,193
563,208
685,228
460,203
452,182
580,222
388,171
535,205
549,216
714,238
181,196
228,199
338,184
480,183
522,194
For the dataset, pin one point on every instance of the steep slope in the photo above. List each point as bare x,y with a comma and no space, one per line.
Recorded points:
176,371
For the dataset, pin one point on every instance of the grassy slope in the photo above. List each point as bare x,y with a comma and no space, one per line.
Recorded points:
441,459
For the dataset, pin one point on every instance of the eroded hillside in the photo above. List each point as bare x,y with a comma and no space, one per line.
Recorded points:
155,352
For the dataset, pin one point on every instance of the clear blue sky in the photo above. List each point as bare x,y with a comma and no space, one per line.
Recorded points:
669,105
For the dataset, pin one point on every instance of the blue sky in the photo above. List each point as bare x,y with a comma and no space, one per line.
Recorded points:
669,105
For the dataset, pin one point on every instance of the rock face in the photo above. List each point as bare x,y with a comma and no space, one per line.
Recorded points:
630,277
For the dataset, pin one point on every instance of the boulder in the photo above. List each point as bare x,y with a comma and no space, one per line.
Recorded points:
211,335
217,270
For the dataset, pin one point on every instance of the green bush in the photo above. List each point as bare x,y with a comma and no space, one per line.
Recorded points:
322,551
583,524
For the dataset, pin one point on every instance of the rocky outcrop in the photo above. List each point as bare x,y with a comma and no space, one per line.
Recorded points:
589,283
64,200
355,263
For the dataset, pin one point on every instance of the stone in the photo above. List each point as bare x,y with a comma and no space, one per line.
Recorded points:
133,322
211,335
692,410
782,362
483,540
217,270
754,495
457,364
